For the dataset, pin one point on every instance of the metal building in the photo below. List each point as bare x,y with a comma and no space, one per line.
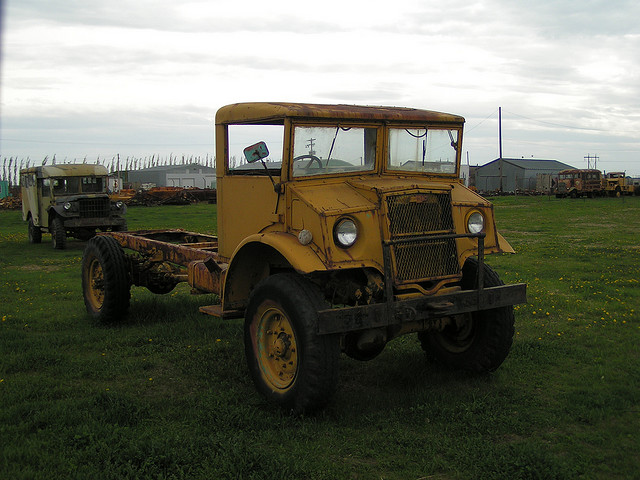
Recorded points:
185,176
518,174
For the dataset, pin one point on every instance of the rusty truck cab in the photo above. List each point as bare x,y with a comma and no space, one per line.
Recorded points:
382,174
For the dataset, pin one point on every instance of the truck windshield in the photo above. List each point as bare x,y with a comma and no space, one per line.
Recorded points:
333,149
423,150
71,185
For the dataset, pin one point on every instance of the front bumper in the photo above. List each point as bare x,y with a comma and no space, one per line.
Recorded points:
423,309
77,222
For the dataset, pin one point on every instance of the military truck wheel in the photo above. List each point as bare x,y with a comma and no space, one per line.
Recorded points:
58,234
479,341
105,283
289,363
84,234
35,234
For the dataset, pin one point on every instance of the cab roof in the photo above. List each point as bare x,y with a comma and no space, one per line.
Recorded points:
275,113
67,170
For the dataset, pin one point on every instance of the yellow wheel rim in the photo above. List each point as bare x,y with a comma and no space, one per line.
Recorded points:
277,352
95,289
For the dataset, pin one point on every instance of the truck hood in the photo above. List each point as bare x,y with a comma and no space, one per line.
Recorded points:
338,198
381,185
359,194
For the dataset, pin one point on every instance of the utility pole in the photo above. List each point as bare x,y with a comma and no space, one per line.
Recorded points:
500,145
310,146
588,158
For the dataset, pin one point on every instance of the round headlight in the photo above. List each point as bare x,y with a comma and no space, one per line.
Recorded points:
475,222
67,206
119,205
345,233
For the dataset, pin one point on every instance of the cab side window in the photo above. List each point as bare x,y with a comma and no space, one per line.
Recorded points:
241,136
45,186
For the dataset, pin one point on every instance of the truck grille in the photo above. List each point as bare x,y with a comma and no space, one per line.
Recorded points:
94,207
411,218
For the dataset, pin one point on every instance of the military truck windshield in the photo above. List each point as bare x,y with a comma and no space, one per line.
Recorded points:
423,150
72,185
333,149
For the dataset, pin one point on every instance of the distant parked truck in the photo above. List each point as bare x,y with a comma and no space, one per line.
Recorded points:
68,200
576,183
616,184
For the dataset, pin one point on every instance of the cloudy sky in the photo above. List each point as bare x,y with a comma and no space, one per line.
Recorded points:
98,78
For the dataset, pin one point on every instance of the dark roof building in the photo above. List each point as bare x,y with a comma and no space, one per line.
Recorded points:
518,174
186,176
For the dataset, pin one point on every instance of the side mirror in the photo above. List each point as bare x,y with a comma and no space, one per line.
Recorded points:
256,152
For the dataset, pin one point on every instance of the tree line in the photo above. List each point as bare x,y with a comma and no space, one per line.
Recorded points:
11,166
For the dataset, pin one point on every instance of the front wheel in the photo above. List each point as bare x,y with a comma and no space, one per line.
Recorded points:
119,228
105,282
58,234
290,364
479,341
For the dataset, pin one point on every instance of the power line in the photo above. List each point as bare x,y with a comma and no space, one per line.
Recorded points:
481,122
558,124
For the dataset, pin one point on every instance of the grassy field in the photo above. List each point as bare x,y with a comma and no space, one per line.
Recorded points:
166,394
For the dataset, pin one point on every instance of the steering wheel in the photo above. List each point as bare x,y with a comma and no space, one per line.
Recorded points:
312,158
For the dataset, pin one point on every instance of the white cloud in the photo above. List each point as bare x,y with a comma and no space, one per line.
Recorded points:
124,75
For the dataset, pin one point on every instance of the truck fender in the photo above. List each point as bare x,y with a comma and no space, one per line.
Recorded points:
504,246
54,211
257,257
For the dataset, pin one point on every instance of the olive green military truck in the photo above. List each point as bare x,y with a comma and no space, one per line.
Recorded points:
68,201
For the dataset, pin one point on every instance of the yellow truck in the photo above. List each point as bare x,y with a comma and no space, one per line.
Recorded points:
340,228
616,184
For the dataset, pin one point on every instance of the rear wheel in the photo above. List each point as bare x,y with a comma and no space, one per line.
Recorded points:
479,341
35,234
105,283
289,363
58,234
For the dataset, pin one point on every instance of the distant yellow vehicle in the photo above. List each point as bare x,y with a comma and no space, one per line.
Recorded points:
68,200
345,229
616,184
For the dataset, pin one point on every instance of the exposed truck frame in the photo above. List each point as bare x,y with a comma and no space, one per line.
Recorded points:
335,247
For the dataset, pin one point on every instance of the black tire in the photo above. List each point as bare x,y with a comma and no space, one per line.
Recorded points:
84,235
479,341
120,228
105,283
289,363
35,234
58,234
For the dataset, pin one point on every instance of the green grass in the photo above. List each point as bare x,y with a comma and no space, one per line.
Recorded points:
166,394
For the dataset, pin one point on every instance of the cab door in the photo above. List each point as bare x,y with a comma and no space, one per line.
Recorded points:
247,198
